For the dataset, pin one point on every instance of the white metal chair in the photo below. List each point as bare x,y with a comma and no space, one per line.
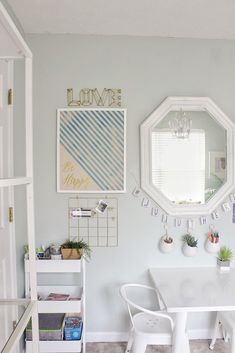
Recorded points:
148,327
227,321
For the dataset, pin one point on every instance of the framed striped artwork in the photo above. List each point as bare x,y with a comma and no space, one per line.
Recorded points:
91,150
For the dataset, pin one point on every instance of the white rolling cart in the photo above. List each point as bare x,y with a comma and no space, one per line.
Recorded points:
67,306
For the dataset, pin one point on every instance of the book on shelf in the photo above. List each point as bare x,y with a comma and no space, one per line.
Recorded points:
57,296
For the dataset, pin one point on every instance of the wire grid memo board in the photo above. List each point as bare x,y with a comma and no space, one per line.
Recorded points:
101,229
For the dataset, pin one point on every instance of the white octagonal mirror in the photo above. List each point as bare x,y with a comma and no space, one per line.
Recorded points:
187,155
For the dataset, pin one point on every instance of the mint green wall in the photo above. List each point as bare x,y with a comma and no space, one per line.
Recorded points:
147,70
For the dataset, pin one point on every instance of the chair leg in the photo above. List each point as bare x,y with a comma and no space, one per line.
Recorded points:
130,341
139,345
215,332
225,335
232,339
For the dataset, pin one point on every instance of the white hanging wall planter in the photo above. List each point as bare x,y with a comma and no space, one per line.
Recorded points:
165,246
212,248
189,244
189,251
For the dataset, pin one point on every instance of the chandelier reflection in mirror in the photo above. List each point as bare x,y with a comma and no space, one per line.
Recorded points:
181,124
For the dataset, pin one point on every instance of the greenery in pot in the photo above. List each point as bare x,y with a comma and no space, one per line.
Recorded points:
81,246
213,237
190,240
167,239
225,254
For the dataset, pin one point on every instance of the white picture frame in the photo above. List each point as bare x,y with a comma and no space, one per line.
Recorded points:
91,150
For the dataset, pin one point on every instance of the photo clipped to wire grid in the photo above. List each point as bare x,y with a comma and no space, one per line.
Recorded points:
95,220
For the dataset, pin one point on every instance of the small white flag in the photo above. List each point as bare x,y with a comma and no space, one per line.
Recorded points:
164,218
177,222
226,207
203,220
215,215
145,202
232,197
190,224
154,211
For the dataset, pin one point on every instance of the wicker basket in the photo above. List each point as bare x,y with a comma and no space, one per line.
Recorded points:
70,254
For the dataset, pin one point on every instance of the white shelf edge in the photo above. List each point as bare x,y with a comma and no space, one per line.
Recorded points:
15,181
57,346
59,266
59,306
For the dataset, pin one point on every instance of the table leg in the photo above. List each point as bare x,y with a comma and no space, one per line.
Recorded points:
180,338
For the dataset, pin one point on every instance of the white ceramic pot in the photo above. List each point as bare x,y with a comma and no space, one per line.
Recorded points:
212,248
189,250
223,265
166,247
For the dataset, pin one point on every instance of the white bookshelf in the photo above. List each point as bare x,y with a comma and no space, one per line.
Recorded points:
77,290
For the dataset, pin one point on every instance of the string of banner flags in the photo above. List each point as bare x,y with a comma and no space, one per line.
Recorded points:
147,202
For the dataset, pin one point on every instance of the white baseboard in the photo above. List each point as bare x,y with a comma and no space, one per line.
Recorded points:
203,334
106,336
123,336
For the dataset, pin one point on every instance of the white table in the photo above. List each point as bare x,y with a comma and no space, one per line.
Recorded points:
197,289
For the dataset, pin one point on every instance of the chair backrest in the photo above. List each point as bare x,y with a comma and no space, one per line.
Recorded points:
131,304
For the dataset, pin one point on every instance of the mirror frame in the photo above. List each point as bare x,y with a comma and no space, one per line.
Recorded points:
187,104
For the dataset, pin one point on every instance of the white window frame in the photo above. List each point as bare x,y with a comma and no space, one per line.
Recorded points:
199,138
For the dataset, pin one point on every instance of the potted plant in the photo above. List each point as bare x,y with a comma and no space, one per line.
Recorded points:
224,257
190,245
212,242
166,244
72,250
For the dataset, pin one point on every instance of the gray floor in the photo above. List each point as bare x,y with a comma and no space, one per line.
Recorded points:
197,346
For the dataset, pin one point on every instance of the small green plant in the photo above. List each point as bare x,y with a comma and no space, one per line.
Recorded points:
225,254
82,247
190,240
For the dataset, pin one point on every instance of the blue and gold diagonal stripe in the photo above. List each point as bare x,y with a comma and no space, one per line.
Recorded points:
95,140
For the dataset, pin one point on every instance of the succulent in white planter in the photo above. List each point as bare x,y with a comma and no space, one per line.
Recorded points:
212,243
166,244
224,258
190,245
